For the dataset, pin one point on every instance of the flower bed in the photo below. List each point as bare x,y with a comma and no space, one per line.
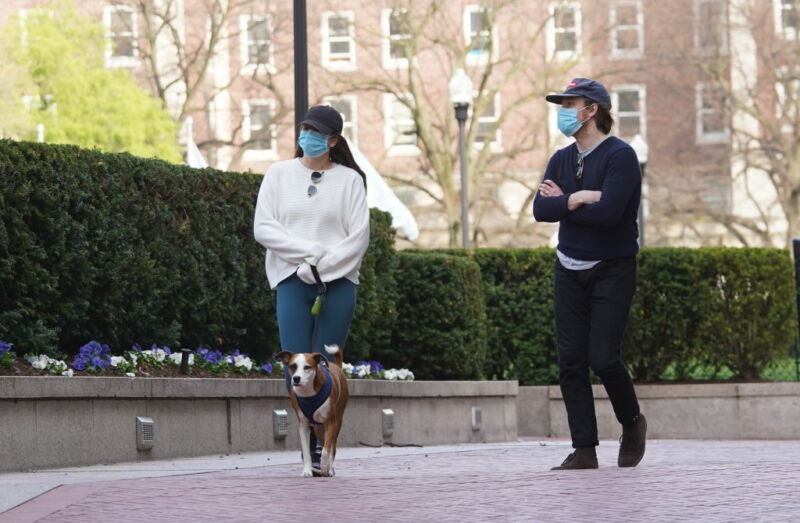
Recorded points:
95,359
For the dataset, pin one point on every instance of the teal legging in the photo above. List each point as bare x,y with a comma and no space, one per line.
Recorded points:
296,325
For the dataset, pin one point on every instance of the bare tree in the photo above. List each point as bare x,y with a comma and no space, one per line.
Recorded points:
192,57
503,50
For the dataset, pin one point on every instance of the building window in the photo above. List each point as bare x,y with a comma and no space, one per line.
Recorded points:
480,33
400,135
258,129
564,30
338,40
786,18
712,114
397,38
627,29
346,105
256,42
787,90
122,45
488,131
711,25
629,104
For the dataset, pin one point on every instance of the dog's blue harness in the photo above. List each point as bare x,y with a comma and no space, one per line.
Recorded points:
309,405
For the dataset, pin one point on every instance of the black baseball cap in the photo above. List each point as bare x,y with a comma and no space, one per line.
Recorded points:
585,87
324,119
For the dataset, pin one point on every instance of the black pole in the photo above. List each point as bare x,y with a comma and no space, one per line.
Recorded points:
796,249
642,167
300,63
185,360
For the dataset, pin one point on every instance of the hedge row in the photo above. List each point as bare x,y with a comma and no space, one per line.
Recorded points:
124,249
713,307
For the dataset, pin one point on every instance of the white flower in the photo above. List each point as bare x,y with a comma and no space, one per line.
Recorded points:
347,368
39,362
68,372
242,361
116,360
160,354
176,358
129,374
398,374
133,357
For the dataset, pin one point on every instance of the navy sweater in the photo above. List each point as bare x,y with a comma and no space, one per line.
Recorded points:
605,229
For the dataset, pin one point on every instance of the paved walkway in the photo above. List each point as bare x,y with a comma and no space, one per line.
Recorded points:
705,481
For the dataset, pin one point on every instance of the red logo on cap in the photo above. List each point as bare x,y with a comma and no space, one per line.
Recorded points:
572,84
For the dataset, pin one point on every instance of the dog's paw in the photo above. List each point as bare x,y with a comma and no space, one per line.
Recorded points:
307,473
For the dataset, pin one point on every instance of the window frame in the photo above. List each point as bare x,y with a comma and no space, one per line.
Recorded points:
481,58
725,44
247,111
616,52
388,61
120,61
552,30
704,138
395,149
244,44
495,145
353,123
641,89
327,39
788,33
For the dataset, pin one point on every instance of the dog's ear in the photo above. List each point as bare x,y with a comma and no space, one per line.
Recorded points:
317,357
283,356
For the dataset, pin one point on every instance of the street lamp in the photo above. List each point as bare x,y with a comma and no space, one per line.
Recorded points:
642,150
460,97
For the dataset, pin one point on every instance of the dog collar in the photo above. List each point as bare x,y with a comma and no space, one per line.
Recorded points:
309,405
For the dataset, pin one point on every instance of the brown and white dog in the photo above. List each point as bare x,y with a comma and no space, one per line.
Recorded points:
319,396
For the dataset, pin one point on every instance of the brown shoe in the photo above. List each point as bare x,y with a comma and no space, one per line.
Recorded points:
632,442
583,458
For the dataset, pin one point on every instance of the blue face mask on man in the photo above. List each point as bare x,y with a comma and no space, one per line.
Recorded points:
313,143
568,122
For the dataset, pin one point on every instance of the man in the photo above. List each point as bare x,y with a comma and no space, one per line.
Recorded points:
592,188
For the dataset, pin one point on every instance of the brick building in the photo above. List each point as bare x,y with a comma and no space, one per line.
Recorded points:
681,74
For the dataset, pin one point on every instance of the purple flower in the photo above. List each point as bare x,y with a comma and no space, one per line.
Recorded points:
78,363
376,366
267,367
94,354
212,356
4,347
137,347
98,362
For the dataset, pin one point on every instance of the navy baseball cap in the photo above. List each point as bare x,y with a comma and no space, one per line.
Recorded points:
324,119
585,87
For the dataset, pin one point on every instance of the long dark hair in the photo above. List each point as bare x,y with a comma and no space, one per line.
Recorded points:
340,153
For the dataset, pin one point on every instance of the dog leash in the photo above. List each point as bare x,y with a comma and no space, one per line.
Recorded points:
322,293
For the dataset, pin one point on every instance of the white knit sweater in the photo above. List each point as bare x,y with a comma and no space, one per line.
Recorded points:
329,230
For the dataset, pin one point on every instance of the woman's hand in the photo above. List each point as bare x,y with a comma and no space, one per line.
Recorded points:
549,188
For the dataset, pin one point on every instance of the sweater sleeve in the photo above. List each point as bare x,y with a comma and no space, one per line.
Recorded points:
270,233
346,255
550,208
621,181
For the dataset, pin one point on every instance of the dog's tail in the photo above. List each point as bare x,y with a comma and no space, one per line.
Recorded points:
337,353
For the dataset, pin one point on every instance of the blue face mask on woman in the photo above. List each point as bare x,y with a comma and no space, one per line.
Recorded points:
568,122
312,143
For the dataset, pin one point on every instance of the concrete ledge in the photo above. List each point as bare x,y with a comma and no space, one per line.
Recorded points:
685,411
57,387
58,421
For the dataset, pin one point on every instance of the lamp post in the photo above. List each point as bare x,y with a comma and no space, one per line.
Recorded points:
461,97
300,64
642,150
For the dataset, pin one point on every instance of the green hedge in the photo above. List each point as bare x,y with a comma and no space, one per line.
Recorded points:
440,331
123,249
722,309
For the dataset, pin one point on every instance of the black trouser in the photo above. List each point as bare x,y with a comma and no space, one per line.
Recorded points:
592,309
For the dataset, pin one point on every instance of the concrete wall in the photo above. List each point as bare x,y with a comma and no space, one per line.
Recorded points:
703,411
57,422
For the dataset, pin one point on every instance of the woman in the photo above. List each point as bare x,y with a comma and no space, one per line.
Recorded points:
312,217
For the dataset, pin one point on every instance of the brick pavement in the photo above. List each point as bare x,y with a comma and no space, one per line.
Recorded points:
706,481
